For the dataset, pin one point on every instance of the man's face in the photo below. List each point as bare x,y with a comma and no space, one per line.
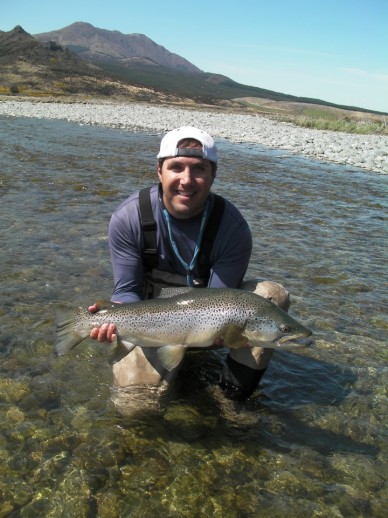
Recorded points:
186,182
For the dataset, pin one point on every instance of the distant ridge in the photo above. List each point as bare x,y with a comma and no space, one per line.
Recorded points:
100,45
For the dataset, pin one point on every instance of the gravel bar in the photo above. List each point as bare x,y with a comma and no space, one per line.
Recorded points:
366,151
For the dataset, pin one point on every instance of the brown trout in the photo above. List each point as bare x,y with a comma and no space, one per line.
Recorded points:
194,318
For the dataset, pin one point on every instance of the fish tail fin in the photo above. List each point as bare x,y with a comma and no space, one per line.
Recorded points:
67,335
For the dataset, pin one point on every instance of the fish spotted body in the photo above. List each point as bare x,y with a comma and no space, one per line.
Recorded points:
194,318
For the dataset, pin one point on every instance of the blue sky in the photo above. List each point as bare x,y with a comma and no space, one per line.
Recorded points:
335,50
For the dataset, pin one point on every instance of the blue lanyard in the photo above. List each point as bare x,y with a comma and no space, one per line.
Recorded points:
188,267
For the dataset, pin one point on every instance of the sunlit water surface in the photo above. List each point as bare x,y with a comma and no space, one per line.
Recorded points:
311,442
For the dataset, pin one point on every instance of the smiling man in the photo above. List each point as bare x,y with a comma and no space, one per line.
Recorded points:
178,233
186,177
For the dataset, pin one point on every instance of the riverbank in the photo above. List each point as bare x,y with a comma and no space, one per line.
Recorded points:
366,151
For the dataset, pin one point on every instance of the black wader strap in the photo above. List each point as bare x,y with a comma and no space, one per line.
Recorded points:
148,224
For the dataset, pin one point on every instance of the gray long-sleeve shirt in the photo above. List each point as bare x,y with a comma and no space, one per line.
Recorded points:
229,257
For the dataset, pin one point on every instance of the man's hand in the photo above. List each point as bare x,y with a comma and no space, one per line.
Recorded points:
105,333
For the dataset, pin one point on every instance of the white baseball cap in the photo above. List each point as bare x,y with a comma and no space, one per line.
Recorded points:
169,144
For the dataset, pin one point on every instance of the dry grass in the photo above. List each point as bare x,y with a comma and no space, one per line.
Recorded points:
320,117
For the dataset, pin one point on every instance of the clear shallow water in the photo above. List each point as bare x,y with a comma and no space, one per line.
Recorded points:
313,440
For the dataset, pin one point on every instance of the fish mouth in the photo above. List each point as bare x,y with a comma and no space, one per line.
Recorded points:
296,341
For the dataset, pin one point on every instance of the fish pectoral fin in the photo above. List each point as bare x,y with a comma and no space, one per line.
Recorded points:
120,350
234,337
170,356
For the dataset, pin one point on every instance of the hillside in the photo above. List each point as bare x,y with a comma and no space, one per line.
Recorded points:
31,67
27,64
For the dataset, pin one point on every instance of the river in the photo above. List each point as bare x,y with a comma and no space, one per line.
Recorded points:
311,442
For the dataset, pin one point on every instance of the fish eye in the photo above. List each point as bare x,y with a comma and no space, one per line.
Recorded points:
284,328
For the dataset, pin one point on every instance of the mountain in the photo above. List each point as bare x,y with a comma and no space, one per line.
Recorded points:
32,67
125,50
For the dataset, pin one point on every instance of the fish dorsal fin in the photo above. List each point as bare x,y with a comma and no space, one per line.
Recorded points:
234,337
170,356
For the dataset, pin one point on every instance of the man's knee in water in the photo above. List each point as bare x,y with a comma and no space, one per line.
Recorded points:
274,292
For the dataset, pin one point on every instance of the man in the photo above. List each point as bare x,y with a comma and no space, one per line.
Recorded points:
184,218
